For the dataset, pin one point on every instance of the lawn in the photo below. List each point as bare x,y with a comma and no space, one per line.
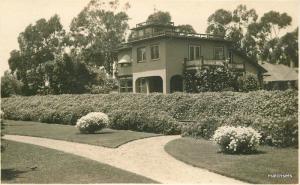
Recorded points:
254,168
25,163
106,137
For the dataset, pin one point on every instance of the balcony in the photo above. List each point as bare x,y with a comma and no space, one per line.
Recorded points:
175,34
198,64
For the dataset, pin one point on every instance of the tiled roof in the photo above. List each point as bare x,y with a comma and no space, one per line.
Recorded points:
279,72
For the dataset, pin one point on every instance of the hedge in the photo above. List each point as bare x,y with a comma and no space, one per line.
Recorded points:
225,107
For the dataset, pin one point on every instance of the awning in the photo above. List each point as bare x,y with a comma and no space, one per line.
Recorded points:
125,60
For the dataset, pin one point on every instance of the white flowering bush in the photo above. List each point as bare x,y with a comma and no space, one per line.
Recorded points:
237,139
92,122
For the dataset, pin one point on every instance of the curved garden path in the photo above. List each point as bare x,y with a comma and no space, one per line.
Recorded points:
145,157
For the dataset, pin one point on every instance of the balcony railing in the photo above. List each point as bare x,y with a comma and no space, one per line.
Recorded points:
175,34
153,23
197,64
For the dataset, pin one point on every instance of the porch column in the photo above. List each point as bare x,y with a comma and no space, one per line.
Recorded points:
147,86
134,84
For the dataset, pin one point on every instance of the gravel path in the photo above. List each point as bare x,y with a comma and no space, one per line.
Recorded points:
145,157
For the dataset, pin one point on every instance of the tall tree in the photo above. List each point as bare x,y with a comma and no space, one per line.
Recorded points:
97,30
38,44
286,50
160,17
185,28
267,33
218,22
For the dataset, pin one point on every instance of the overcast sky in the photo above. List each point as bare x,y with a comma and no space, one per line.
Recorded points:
15,15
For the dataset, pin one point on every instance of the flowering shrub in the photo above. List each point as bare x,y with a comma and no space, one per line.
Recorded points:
92,122
237,139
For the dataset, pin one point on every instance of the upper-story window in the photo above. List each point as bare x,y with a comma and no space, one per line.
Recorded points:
194,52
141,54
155,52
219,53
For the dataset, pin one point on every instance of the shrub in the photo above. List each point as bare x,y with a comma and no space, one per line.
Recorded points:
204,128
237,139
248,82
210,79
92,122
282,132
144,121
258,109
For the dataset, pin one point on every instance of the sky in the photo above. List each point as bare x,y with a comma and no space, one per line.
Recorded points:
15,15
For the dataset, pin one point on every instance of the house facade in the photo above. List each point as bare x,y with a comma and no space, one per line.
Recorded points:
155,57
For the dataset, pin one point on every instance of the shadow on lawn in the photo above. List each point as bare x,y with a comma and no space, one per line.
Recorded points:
96,133
251,153
10,174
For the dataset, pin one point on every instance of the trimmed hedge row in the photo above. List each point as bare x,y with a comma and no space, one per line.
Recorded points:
160,113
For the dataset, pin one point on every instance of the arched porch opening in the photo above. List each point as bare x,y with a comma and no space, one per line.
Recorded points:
149,84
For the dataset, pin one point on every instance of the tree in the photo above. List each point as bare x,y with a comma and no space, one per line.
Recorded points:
286,49
10,85
38,44
65,74
266,33
96,32
185,28
258,39
218,22
160,17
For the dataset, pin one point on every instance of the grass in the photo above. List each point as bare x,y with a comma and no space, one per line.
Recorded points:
106,137
253,168
26,163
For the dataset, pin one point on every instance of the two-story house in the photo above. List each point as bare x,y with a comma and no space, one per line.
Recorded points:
155,57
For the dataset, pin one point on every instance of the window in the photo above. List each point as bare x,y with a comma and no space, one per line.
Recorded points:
218,53
195,52
126,85
141,54
155,52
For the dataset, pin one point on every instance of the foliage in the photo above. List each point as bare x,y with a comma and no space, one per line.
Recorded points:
38,44
97,30
282,132
144,121
248,82
160,17
2,127
185,28
210,79
258,109
66,75
92,122
202,128
258,37
237,139
10,85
